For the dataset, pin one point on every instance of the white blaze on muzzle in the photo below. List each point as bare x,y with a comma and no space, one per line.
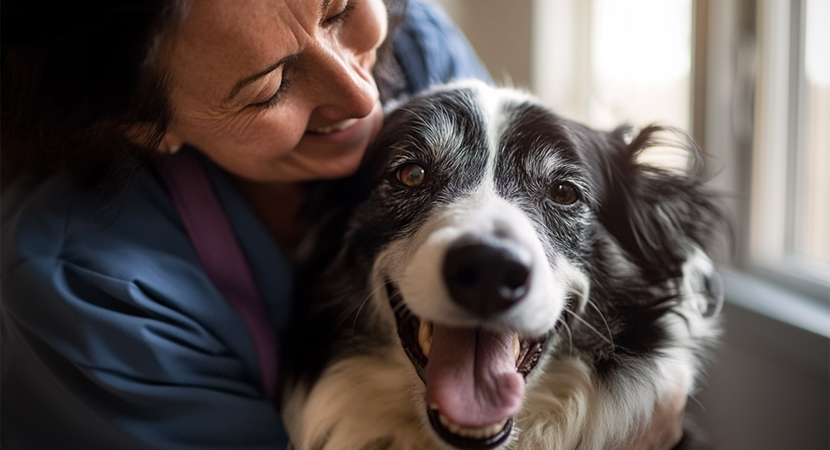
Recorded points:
490,221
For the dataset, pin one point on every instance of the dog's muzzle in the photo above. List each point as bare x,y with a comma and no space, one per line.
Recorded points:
460,366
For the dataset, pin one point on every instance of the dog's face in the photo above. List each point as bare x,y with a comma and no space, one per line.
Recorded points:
489,221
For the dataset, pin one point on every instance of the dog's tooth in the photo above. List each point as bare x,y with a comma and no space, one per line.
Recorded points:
497,427
487,432
474,433
455,429
444,421
494,430
425,337
517,348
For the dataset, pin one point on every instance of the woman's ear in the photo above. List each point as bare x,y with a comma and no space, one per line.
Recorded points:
170,144
146,134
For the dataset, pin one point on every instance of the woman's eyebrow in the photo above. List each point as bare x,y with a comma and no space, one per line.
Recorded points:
250,79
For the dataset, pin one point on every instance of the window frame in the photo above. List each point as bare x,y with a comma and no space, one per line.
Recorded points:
738,45
777,152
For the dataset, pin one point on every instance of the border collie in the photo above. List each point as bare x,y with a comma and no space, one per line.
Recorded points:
509,279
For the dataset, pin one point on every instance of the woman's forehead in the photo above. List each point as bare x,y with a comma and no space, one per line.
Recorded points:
219,39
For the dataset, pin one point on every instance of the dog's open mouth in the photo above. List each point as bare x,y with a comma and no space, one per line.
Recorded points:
474,377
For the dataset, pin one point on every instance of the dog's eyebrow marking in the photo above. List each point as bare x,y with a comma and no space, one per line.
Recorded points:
443,133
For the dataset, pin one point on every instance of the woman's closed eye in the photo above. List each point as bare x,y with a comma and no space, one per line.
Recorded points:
275,98
340,15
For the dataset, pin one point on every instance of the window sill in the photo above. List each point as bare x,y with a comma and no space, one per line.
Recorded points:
765,298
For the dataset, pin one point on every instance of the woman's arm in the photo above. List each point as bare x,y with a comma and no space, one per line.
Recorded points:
113,337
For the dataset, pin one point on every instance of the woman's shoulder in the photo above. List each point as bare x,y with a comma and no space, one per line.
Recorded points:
118,258
101,229
431,49
65,246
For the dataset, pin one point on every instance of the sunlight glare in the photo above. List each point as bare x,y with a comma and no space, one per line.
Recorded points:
642,41
817,53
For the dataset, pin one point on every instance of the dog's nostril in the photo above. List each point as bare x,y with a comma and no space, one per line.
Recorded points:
486,279
467,275
515,279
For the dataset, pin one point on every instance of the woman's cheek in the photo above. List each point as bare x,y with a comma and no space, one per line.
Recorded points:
378,10
266,130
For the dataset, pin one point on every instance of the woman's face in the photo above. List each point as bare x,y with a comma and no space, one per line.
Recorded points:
278,90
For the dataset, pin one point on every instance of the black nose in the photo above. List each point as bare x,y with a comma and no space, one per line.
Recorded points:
486,278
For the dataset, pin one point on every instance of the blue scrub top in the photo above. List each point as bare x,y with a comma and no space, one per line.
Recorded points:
113,337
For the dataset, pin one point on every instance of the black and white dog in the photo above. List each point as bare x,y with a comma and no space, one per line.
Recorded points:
511,279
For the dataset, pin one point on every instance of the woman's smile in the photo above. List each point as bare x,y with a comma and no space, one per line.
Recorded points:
337,126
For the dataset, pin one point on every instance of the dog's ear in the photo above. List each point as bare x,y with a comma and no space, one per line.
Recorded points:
653,199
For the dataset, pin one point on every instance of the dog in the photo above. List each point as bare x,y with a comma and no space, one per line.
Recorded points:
504,278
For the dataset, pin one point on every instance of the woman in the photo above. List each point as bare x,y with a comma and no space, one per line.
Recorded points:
115,334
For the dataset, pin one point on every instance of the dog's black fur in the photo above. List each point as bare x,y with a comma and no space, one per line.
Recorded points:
630,250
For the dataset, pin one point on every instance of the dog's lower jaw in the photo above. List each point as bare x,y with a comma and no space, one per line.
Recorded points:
479,439
416,337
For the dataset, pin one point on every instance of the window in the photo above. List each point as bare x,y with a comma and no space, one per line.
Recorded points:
790,189
750,80
613,62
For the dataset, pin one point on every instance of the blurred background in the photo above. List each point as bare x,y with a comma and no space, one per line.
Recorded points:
750,80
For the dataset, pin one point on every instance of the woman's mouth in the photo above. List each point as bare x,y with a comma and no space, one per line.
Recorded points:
337,126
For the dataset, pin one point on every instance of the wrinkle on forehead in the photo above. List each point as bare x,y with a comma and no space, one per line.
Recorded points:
220,42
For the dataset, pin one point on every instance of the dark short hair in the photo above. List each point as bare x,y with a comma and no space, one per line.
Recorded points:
75,75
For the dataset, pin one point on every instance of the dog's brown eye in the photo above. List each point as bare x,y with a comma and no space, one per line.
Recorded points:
412,175
564,193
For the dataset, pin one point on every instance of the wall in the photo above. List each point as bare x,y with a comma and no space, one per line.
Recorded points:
501,34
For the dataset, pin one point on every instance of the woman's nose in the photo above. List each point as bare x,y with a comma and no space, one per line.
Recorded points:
347,84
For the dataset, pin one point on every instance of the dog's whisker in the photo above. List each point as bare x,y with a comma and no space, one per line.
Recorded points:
362,304
602,316
347,314
590,327
359,309
697,402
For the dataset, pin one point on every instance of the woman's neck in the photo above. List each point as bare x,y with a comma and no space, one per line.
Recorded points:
278,206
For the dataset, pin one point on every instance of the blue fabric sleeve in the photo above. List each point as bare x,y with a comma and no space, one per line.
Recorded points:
432,50
112,335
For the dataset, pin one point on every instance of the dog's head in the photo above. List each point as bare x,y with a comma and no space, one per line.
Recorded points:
487,218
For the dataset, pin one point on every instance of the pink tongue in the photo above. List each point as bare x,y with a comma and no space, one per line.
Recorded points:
471,376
